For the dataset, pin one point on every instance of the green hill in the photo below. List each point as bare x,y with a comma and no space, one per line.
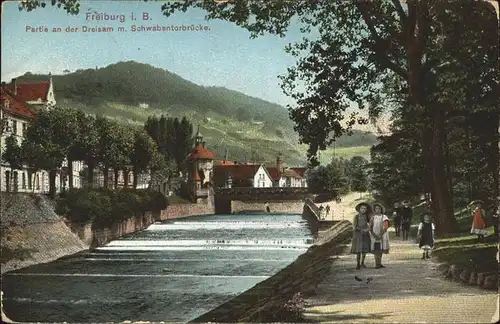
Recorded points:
250,128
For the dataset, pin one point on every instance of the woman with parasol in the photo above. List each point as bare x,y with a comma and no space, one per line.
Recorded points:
478,219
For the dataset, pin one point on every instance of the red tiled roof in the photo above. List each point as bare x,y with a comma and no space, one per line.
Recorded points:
16,105
224,162
31,91
274,172
196,175
291,173
201,153
240,174
300,171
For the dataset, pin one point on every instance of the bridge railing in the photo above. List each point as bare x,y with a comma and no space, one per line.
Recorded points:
271,190
313,207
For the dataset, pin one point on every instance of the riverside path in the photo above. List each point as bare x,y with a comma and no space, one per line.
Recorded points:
408,290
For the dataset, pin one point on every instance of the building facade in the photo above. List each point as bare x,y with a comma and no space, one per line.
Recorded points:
201,164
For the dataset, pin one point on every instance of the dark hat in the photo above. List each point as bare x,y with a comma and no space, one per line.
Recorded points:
380,205
368,206
477,201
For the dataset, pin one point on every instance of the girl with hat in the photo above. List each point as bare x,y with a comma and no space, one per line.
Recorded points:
426,235
478,219
379,224
361,238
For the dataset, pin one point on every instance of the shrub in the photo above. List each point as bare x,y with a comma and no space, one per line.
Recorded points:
291,311
104,206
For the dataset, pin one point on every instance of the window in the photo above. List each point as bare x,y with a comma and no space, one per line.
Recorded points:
25,126
37,181
14,127
23,184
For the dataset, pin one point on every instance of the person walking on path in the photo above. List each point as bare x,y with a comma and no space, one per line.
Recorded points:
425,235
379,223
327,209
406,216
361,238
478,220
396,215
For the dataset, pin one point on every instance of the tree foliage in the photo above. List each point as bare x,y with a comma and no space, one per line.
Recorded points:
357,173
328,179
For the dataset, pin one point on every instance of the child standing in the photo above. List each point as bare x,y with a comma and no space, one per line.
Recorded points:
426,235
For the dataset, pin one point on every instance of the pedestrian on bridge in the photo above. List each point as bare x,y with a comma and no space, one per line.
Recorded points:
361,238
379,224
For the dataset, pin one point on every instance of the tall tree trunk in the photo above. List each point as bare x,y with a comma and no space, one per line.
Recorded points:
52,183
125,178
117,174
442,203
135,173
447,162
90,174
105,172
70,173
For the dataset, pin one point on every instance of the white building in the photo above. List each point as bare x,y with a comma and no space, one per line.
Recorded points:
19,104
242,175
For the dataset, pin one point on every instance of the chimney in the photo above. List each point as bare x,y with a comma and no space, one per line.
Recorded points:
203,144
279,163
14,82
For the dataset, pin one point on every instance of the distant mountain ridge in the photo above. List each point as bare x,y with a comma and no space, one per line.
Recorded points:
133,83
251,128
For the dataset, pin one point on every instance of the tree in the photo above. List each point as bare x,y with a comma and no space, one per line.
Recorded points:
12,154
85,146
109,146
44,146
184,142
125,147
328,179
142,154
356,171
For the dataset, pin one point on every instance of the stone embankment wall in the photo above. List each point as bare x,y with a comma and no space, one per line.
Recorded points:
32,233
311,213
262,302
185,210
95,237
284,207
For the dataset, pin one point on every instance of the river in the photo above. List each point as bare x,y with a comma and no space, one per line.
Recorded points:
171,271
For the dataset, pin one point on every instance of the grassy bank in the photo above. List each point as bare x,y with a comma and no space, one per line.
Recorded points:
102,207
465,250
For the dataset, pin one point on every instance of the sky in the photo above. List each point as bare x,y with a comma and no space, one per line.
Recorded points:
222,56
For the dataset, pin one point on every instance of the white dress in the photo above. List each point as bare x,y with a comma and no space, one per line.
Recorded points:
378,227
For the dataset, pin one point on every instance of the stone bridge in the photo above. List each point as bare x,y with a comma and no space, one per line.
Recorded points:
224,196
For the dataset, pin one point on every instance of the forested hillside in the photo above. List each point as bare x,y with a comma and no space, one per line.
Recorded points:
250,128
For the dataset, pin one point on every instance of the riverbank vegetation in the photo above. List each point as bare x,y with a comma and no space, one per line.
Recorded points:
104,207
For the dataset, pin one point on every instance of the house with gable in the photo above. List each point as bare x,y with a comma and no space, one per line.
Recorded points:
19,104
287,177
242,175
